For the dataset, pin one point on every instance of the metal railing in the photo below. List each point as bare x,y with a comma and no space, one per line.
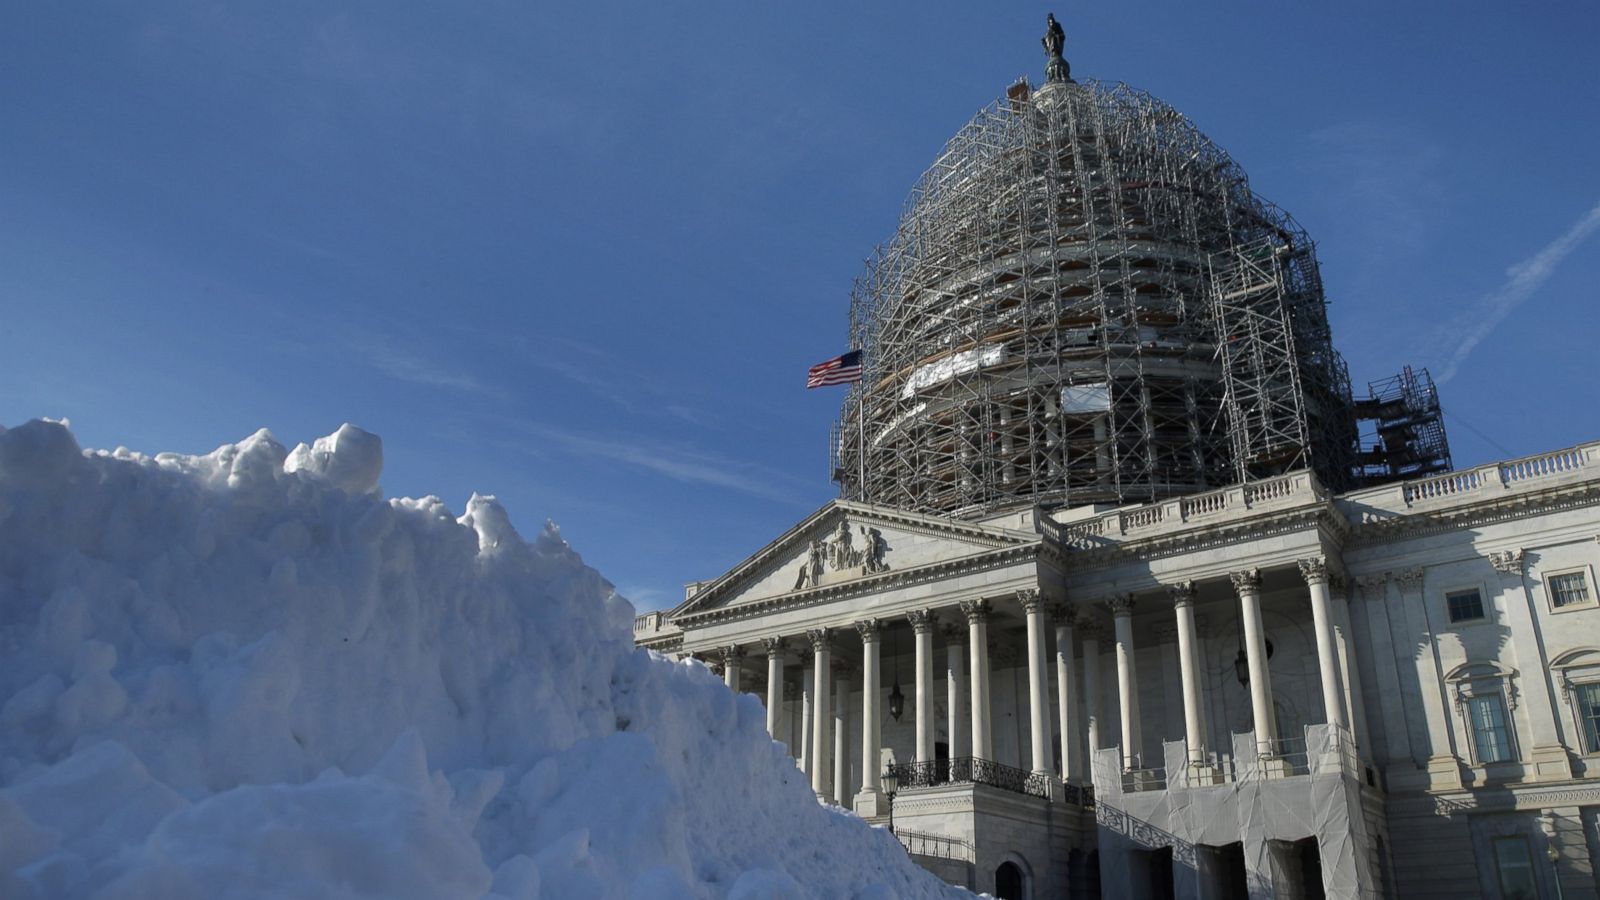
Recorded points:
938,846
970,770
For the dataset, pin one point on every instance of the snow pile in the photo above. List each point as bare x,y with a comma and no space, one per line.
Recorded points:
247,674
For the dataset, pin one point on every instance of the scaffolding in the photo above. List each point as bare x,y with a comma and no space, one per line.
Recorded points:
1044,327
1401,429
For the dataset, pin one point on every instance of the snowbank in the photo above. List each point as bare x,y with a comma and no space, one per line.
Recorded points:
246,674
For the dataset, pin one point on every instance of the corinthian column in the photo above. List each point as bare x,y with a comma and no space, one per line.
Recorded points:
922,623
1194,725
955,682
1038,681
732,660
821,712
1066,688
1315,572
1127,678
1092,632
841,734
977,613
775,650
871,724
1247,585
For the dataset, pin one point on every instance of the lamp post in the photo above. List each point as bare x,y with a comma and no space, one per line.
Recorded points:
891,786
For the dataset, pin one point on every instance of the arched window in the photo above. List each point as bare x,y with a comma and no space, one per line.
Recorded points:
1008,881
1485,696
1577,674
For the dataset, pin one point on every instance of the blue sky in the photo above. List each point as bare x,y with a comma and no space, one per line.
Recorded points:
580,255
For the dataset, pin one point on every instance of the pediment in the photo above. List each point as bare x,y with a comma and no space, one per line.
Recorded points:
844,542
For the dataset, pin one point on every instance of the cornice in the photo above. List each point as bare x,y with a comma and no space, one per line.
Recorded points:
893,579
1503,508
1321,515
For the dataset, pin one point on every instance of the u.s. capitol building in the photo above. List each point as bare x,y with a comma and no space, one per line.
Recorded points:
1146,600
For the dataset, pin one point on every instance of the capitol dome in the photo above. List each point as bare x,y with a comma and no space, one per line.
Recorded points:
1085,303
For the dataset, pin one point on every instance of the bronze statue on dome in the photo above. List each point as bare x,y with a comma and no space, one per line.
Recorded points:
1054,41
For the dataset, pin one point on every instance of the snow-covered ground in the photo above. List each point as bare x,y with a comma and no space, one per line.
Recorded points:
247,674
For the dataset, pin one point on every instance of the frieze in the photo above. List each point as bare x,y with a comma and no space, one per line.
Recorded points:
839,556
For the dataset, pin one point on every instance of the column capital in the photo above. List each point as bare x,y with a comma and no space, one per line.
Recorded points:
1507,562
1091,630
1410,580
1314,570
1373,587
821,639
870,629
730,656
1120,604
1031,599
841,669
976,610
1338,584
1063,613
1182,593
776,646
953,632
922,620
1248,580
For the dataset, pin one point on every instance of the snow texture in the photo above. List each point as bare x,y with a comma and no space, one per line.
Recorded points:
247,674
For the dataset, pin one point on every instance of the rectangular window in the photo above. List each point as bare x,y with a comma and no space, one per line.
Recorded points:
1511,857
1589,709
1464,605
1569,589
1490,736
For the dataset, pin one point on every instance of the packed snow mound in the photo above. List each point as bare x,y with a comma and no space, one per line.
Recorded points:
246,674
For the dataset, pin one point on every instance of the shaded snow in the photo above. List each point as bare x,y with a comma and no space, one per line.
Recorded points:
246,674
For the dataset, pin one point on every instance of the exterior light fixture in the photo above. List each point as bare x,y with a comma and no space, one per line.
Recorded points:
891,786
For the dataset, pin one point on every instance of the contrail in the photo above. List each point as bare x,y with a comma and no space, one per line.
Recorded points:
1522,280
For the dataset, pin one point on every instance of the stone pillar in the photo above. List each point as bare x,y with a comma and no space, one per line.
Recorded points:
1443,765
977,613
841,734
1194,721
871,720
1038,681
821,709
1066,692
1549,756
1263,721
1349,668
1315,572
1092,633
732,663
775,649
955,681
1127,679
807,716
922,623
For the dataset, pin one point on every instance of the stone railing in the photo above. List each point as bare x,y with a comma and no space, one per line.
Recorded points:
1203,508
653,626
970,770
1526,473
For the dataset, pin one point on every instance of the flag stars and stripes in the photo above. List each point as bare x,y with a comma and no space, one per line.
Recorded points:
839,370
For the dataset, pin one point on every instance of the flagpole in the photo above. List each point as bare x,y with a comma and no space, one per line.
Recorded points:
861,435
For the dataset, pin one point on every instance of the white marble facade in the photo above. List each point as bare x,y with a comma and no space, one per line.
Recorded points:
1423,660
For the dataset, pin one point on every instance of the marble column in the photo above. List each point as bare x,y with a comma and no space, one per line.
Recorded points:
1548,751
1194,722
1344,642
1315,572
1092,633
871,721
955,681
732,663
1066,693
776,647
807,715
977,613
1264,722
841,734
922,623
821,709
1038,681
1127,679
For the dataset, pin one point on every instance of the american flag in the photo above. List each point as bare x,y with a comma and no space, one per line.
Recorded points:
839,370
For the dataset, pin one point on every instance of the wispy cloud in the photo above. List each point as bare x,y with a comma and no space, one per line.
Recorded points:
1467,330
387,356
684,464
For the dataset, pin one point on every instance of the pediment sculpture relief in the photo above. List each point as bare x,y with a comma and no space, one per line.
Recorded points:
842,555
